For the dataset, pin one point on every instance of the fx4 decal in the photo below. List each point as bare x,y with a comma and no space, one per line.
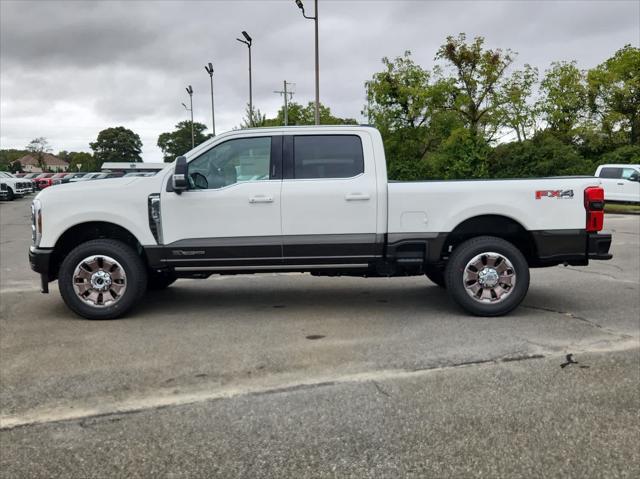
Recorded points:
559,194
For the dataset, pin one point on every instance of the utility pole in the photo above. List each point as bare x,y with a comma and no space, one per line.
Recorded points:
209,69
288,95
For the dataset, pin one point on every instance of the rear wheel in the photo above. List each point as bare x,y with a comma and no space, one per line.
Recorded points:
487,276
102,279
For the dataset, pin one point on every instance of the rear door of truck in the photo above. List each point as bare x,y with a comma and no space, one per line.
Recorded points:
329,198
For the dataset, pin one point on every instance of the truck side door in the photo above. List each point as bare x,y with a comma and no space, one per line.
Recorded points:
230,215
329,199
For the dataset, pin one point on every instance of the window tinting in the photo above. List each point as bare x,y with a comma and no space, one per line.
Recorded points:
327,156
234,161
610,172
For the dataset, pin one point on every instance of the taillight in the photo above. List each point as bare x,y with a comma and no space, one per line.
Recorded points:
594,204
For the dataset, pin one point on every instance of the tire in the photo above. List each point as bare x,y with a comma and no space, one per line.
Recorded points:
160,281
436,275
10,194
107,263
470,291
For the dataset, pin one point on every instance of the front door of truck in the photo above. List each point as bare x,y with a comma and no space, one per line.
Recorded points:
329,199
230,215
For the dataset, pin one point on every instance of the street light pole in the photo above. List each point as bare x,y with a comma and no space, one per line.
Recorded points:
248,43
315,19
190,92
209,69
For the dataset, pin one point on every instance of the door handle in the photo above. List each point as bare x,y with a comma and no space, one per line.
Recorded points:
621,184
261,199
356,197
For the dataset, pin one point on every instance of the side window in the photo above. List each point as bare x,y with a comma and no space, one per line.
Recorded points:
627,172
610,172
327,156
234,161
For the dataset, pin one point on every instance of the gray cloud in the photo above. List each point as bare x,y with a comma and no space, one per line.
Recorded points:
70,68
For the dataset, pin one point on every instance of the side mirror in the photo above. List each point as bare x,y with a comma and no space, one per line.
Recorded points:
634,177
180,177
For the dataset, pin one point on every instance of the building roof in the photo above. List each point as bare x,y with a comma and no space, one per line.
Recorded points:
49,160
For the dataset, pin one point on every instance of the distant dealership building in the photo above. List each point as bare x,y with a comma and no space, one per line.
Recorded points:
51,163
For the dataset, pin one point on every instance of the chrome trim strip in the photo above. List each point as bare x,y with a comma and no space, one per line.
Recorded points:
293,267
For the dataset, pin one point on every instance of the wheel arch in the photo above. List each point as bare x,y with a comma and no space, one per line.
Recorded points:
500,226
86,231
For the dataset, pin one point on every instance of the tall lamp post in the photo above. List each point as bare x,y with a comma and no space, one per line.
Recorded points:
190,92
248,43
315,19
209,69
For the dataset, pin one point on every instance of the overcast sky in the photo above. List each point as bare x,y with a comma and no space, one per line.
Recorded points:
69,69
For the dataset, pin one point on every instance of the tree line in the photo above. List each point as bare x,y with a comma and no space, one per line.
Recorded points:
471,116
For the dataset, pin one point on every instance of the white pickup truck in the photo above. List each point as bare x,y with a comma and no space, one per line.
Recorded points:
308,199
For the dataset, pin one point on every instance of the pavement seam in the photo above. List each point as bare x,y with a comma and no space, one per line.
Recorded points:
70,414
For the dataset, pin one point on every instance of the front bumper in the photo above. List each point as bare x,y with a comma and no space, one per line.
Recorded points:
40,259
598,245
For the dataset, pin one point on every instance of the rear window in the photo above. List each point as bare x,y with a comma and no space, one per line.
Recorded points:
610,172
327,156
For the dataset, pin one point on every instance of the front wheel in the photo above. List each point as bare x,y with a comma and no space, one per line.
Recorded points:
487,276
10,194
102,279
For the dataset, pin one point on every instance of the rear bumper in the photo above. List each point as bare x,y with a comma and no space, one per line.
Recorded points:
39,260
598,246
574,247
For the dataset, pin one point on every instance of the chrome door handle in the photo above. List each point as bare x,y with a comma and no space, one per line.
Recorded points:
356,197
261,199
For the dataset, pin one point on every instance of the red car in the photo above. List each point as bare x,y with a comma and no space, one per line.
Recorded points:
43,183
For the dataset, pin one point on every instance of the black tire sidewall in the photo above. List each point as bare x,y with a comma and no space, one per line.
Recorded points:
131,263
10,194
458,261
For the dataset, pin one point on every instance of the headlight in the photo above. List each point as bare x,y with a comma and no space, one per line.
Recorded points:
36,222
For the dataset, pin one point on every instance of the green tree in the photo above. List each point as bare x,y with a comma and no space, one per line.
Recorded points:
178,141
38,147
297,115
543,155
516,109
86,161
117,144
564,99
259,118
614,93
409,105
477,76
10,155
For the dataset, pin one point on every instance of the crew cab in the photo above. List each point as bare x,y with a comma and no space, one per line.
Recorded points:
621,183
308,199
13,187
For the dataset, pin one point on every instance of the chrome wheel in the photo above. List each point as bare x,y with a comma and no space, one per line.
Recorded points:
489,277
99,281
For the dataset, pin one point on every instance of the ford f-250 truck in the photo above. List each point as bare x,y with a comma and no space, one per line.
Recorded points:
308,199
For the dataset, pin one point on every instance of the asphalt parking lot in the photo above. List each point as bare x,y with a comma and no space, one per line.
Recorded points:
287,375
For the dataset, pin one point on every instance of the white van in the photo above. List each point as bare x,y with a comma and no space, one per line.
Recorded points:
620,182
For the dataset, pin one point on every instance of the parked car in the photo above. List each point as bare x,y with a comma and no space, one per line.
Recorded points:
30,184
621,183
72,176
46,182
84,177
14,187
308,199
